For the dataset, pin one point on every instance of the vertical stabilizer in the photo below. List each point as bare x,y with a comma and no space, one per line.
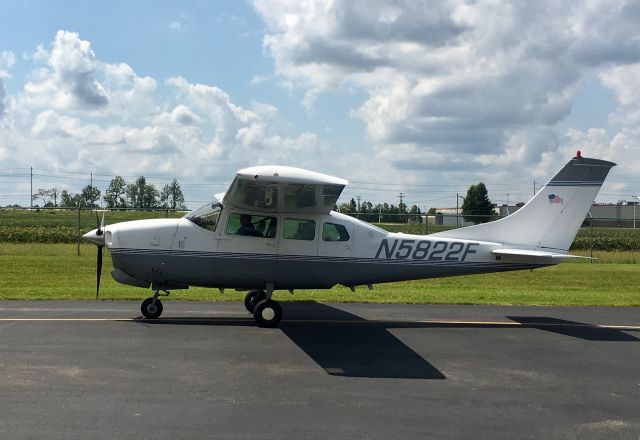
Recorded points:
551,219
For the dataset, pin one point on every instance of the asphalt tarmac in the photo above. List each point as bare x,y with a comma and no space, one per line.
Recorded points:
83,370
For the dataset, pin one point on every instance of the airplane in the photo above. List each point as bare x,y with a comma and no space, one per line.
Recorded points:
275,229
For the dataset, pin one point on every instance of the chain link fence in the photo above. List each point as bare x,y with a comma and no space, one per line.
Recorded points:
58,225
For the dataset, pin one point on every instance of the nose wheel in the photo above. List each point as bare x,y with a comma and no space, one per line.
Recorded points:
151,308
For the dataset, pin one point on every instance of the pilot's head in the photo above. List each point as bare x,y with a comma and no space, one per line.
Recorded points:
245,219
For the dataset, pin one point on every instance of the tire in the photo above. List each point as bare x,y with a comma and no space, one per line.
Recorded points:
252,298
149,310
267,313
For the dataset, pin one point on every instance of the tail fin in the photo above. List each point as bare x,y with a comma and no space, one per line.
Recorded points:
551,219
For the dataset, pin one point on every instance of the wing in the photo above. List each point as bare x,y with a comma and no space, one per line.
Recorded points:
283,189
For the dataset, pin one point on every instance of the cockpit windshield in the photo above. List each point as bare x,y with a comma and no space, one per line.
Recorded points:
207,216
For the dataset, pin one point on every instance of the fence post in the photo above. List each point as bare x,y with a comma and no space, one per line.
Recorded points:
78,228
591,238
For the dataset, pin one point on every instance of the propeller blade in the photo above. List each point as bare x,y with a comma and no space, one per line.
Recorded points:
102,222
98,270
99,227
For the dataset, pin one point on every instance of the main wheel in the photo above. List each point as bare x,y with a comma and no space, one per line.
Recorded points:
150,310
252,298
267,313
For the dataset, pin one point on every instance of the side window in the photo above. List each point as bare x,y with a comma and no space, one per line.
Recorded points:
299,229
334,232
251,225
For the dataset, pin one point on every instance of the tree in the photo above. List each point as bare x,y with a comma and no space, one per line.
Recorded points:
142,195
69,200
477,207
90,195
41,194
46,195
349,207
171,196
115,193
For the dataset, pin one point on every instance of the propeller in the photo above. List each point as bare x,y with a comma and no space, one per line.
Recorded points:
99,233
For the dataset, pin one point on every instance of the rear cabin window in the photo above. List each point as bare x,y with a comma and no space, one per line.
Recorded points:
251,225
299,229
334,232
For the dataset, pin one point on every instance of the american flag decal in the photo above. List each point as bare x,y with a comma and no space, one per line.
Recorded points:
555,199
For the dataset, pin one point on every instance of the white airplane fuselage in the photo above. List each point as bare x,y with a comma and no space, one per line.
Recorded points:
174,253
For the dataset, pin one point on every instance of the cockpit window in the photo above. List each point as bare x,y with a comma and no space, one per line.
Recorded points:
207,216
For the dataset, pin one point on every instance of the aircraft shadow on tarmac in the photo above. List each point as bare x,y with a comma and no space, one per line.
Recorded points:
344,344
575,329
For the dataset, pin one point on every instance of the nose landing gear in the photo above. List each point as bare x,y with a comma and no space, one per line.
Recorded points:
151,308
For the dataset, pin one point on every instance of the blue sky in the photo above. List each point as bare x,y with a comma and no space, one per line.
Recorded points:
420,97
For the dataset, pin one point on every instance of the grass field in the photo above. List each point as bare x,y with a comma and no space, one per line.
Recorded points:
53,271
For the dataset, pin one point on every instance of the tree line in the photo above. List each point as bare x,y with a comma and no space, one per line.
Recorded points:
119,194
476,208
380,212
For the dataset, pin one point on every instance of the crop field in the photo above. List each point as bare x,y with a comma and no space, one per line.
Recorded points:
61,226
54,271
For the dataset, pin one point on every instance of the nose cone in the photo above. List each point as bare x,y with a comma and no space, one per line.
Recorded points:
96,237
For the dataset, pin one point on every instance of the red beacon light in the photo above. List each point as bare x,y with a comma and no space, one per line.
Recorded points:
578,155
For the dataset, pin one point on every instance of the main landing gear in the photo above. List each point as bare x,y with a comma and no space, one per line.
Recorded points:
266,312
151,308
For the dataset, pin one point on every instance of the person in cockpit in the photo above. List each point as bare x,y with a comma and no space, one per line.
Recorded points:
246,227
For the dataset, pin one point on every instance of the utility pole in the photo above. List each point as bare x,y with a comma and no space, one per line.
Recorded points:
401,196
31,194
457,211
358,198
508,204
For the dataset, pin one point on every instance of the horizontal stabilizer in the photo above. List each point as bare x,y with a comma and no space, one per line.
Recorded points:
534,253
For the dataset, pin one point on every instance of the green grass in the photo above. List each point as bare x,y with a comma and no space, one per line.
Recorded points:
53,271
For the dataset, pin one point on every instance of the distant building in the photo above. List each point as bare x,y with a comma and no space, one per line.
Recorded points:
604,215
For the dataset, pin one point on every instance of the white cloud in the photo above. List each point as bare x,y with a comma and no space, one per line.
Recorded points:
79,113
7,60
70,80
3,96
457,83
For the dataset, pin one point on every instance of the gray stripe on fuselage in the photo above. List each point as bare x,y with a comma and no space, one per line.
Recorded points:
233,270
